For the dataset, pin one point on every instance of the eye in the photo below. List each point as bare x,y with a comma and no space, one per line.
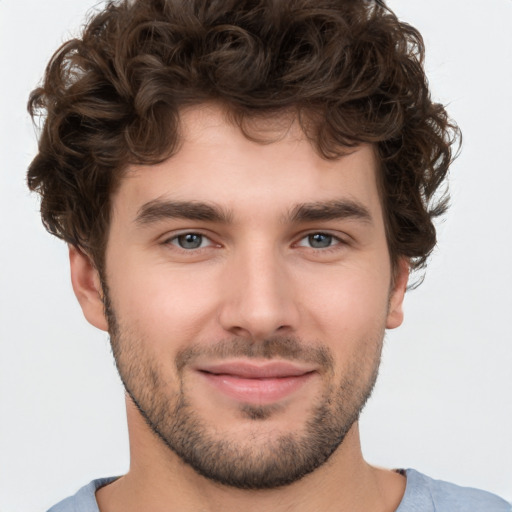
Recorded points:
319,241
189,241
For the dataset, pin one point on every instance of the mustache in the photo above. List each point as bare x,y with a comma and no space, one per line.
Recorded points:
283,347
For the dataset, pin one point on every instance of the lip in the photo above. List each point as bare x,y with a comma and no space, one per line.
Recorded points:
256,383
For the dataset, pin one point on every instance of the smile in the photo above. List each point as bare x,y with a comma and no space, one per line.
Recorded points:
257,384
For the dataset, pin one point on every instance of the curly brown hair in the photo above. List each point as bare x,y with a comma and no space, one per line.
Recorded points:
350,71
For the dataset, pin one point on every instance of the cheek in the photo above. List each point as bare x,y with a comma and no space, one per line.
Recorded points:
348,314
162,305
348,299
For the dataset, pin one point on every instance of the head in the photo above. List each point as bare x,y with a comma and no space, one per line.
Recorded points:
325,155
349,71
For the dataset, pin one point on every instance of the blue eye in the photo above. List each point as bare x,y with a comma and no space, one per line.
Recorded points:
318,241
190,241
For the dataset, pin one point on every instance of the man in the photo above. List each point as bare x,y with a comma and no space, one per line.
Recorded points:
244,187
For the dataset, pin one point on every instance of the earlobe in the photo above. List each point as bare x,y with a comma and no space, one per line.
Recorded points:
87,287
395,312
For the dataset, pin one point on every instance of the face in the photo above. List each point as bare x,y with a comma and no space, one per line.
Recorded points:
248,287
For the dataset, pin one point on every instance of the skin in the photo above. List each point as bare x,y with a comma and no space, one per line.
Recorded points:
255,277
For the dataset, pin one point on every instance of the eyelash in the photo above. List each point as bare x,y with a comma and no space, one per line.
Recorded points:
333,246
170,241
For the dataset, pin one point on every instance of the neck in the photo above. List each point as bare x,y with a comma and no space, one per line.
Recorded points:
159,481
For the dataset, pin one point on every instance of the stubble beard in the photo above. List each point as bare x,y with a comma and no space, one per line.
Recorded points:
263,461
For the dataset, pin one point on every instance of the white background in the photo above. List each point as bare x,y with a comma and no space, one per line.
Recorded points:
443,403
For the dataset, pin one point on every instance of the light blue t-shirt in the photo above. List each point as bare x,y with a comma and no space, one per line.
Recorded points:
422,494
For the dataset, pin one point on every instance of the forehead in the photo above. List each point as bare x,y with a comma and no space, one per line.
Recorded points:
217,162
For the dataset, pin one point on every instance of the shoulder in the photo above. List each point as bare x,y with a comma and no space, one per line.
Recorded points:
84,500
442,496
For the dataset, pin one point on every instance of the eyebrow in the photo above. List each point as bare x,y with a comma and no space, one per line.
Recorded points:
158,210
330,210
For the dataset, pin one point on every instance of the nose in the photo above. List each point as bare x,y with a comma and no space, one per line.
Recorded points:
258,298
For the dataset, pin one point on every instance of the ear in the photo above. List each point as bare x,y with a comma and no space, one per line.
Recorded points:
396,299
87,287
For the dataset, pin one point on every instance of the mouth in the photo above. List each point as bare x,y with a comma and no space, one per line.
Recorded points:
259,384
